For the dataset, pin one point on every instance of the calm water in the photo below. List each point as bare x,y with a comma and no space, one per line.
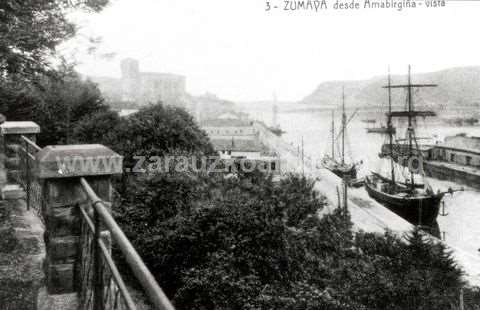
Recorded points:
460,225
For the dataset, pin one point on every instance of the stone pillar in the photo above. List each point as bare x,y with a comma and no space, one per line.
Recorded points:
10,142
59,168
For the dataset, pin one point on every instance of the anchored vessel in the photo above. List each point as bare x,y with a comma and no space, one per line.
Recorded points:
417,203
330,162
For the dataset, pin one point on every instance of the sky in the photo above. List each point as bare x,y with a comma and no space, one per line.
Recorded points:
240,51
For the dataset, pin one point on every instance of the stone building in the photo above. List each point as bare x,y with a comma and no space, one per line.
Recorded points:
140,88
235,138
459,149
150,87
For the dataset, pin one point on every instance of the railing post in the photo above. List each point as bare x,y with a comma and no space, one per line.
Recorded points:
27,173
10,153
97,264
60,169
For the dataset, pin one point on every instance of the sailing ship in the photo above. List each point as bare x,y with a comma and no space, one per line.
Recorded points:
330,162
417,203
275,128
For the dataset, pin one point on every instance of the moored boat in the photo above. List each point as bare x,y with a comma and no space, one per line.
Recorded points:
341,170
417,204
339,166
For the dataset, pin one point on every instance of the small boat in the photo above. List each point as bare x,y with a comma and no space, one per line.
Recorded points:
341,170
277,131
330,161
417,203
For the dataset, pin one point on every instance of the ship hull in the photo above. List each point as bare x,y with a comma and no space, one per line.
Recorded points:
416,210
350,174
350,171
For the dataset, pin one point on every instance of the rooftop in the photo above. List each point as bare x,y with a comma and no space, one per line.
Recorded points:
237,145
226,123
462,141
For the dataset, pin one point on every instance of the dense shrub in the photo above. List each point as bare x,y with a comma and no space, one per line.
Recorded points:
256,244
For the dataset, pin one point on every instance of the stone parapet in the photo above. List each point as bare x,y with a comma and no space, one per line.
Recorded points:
10,148
68,161
60,169
19,128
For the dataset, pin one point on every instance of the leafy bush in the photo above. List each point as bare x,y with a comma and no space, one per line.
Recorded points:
255,244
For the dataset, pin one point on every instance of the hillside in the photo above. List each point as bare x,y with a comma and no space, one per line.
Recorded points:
457,88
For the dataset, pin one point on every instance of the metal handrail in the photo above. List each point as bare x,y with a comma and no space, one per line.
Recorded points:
141,272
116,274
31,143
26,148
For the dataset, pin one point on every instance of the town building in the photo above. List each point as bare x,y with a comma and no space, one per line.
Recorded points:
460,149
229,128
139,88
150,87
234,138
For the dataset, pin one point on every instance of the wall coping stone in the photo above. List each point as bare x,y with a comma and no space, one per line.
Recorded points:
13,128
12,191
63,161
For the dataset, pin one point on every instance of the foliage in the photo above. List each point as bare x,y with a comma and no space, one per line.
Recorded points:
56,105
100,127
472,298
155,130
32,84
249,243
63,104
18,294
17,100
414,274
31,30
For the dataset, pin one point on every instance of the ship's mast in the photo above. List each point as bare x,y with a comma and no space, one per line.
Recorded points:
344,120
410,114
333,134
410,126
344,176
390,127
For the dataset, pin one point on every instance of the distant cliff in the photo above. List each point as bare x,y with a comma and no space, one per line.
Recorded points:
457,88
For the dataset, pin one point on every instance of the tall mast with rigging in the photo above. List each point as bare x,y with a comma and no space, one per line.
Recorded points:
333,134
390,127
410,126
344,120
411,114
344,176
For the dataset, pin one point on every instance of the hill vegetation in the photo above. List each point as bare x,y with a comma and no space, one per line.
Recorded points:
457,88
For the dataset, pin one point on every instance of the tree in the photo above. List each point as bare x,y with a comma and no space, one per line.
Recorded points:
155,130
251,243
59,105
30,31
100,127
